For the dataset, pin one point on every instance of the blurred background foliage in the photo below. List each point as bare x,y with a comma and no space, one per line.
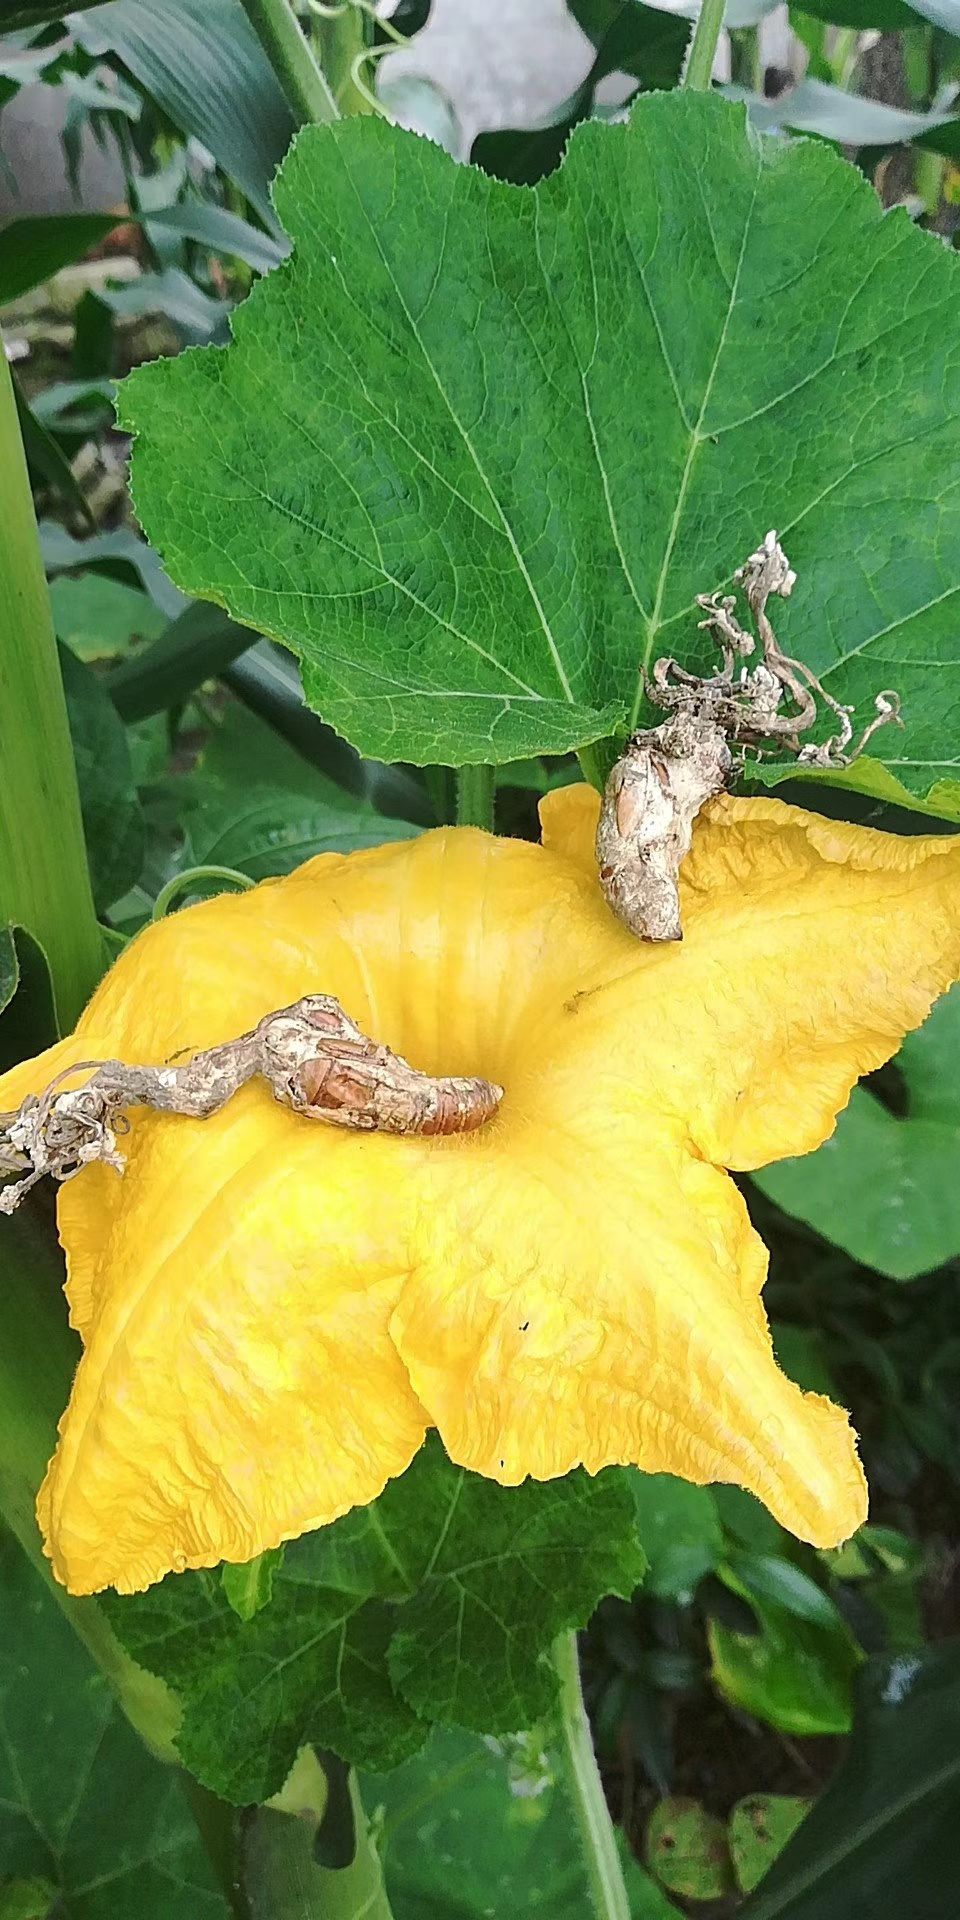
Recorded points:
757,1701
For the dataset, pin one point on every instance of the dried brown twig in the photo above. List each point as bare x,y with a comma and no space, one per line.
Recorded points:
661,781
311,1055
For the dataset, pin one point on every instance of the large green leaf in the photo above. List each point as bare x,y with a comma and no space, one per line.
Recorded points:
476,449
439,1602
83,1804
473,1829
204,66
885,1187
883,1837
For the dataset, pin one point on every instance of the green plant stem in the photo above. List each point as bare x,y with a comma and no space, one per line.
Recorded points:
698,71
339,42
291,57
608,1893
475,797
44,880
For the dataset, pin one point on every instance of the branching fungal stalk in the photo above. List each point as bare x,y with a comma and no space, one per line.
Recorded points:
311,1055
667,772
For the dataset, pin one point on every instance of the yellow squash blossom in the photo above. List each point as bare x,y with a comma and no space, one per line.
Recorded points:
273,1311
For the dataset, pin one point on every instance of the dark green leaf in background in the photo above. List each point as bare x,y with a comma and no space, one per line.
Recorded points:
119,553
883,1837
503,461
83,1805
679,1531
99,618
437,1603
112,820
30,1024
36,247
885,1187
796,1673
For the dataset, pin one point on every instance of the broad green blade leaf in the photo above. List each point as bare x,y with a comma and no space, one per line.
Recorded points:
218,229
481,1829
99,618
513,433
849,118
679,1531
112,821
758,1831
203,65
48,464
439,1602
796,1674
885,1188
32,249
883,1837
196,646
83,1805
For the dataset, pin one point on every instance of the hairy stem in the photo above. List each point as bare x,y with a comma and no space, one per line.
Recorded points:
698,72
277,28
608,1893
475,796
44,880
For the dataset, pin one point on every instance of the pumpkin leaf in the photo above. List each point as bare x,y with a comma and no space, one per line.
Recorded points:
495,1821
884,1187
85,1809
437,1603
509,443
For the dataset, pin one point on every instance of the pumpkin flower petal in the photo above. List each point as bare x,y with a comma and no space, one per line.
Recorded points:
273,1311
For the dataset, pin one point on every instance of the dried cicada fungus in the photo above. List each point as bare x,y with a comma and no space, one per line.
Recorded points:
666,773
311,1055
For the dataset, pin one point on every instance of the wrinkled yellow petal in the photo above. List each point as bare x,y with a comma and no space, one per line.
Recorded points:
238,1386
272,1310
591,1295
810,948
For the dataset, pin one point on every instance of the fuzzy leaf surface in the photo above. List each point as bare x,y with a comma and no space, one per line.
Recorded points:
476,448
437,1603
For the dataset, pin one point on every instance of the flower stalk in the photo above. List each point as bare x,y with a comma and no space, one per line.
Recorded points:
475,797
698,71
608,1892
